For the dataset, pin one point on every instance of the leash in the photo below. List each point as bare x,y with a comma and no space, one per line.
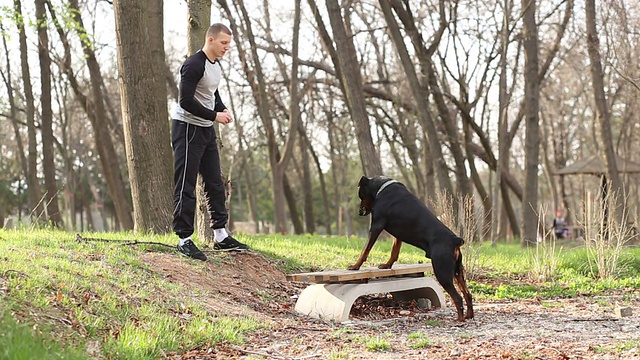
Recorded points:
385,185
82,239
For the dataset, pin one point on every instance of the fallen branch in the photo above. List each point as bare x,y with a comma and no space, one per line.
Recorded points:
275,356
595,319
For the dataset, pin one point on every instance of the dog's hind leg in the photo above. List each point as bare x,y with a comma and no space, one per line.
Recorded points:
395,252
444,266
462,284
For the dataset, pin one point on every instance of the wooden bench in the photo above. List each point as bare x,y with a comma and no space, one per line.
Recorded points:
333,293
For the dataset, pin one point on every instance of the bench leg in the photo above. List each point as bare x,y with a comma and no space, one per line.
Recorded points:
334,301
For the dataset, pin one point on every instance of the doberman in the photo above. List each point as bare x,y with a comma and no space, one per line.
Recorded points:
395,209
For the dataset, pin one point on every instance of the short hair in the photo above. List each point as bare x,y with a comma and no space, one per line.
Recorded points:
218,28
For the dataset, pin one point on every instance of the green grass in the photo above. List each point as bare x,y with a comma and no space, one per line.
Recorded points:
630,346
57,295
418,340
376,343
105,292
18,341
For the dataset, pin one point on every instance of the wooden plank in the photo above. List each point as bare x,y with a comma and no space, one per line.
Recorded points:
362,274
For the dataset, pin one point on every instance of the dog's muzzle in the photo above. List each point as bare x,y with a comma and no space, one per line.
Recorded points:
365,207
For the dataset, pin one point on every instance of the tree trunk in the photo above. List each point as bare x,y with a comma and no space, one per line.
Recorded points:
290,197
278,159
95,110
421,98
13,110
144,111
323,187
307,188
532,122
352,81
33,185
602,109
502,163
197,26
46,124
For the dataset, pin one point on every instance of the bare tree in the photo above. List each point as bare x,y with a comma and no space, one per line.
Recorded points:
351,79
278,158
93,105
532,122
13,110
602,109
419,90
46,124
32,180
143,90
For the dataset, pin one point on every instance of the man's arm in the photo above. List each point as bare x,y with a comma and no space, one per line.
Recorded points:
220,107
190,74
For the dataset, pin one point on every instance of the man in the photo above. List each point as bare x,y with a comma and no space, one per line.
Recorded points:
560,225
194,144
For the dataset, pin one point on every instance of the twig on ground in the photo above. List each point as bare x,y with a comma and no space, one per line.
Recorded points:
308,356
64,321
304,328
19,273
275,356
259,353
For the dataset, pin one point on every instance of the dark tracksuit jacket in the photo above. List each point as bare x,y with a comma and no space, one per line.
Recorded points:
193,139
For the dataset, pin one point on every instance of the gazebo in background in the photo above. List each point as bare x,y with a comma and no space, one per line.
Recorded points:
595,165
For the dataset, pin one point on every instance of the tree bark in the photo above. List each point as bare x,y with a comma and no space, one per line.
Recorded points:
532,121
144,111
307,187
290,197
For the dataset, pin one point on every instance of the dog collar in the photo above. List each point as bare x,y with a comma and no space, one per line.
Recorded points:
385,185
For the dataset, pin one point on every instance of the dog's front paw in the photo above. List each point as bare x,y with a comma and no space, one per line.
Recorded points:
385,266
354,267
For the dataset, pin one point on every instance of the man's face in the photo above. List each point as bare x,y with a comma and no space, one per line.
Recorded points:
220,44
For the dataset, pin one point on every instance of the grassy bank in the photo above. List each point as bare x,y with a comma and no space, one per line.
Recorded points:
58,295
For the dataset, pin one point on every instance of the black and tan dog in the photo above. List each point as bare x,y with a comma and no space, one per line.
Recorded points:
394,209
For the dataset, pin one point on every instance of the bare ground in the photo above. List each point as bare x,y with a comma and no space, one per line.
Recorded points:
250,284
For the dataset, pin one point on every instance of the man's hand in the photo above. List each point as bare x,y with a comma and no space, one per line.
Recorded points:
223,117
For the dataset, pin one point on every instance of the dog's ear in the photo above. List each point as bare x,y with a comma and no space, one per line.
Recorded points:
363,181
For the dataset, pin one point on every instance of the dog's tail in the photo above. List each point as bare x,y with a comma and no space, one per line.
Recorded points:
458,255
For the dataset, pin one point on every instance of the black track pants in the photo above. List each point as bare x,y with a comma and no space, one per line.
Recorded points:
195,151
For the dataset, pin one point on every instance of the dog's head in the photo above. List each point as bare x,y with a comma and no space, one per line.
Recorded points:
368,189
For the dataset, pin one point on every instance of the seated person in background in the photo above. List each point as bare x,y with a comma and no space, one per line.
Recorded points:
560,225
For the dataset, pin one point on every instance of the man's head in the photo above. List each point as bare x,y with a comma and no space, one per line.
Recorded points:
217,41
